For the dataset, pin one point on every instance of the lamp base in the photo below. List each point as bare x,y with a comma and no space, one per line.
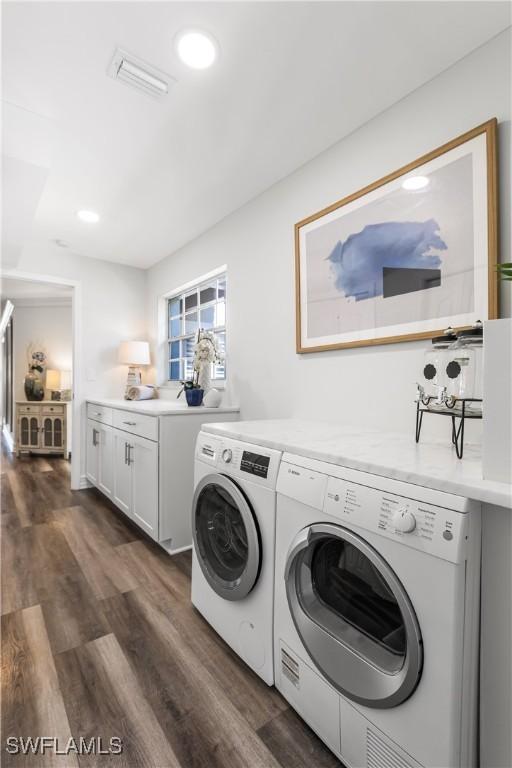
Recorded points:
134,379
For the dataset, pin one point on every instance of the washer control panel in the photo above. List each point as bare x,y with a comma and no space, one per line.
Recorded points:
439,531
231,457
255,463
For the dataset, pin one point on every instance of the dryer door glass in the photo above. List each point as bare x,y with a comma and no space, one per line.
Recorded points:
347,585
354,616
226,537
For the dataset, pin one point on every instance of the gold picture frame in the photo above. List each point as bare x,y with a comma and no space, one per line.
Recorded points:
483,162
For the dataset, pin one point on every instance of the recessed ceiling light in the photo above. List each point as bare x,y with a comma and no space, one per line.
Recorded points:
91,217
196,49
415,182
61,243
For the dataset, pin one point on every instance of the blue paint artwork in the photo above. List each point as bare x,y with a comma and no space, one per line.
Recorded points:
359,262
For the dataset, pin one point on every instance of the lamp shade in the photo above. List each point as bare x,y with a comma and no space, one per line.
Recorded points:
134,353
66,380
52,379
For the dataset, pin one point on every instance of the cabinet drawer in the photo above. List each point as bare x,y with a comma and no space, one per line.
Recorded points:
136,423
53,410
34,409
99,413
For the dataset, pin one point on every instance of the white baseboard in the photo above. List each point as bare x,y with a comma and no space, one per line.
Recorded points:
8,439
167,545
84,483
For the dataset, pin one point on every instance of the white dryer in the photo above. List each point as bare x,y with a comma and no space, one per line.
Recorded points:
233,527
377,615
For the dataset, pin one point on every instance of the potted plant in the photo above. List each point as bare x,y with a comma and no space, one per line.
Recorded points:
193,392
206,352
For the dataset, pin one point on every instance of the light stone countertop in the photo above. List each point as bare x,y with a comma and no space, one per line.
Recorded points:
160,407
397,456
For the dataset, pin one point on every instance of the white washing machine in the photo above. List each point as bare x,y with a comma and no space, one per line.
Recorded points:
377,615
233,527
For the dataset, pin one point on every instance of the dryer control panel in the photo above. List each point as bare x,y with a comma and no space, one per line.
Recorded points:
441,532
421,525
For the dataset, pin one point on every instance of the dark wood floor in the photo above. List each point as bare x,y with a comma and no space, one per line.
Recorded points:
99,639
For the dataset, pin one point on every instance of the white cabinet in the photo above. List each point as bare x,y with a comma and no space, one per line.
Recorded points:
92,452
122,486
42,427
144,462
105,461
135,462
99,456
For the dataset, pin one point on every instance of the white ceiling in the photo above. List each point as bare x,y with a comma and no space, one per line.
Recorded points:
292,79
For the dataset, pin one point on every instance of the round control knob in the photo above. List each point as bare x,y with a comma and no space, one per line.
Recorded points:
227,455
404,521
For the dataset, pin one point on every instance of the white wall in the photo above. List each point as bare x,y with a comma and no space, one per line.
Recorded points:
50,324
369,386
112,309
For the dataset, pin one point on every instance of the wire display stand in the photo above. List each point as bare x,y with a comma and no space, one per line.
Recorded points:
454,407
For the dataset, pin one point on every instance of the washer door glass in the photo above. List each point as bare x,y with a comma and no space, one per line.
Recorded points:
354,616
226,537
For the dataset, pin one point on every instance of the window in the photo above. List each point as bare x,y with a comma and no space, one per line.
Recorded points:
203,306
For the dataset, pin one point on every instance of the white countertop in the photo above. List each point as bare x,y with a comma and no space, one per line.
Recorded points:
159,407
393,455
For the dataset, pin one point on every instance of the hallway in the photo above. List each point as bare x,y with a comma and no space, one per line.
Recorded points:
100,640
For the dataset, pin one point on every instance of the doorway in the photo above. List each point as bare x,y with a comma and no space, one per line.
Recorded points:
38,392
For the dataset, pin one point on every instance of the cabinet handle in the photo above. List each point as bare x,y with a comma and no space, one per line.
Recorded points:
130,460
126,453
94,437
130,423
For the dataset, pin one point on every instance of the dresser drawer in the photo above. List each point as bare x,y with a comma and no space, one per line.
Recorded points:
53,410
35,409
136,423
99,413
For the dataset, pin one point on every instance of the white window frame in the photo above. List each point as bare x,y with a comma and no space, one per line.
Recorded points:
165,337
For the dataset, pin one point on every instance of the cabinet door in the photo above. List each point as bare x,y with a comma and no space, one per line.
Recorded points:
58,432
92,452
143,456
34,432
105,461
24,432
122,485
47,435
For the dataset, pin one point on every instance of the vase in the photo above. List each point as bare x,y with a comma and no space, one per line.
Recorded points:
205,378
33,386
194,396
212,398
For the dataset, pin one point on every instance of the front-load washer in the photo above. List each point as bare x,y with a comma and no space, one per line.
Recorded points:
233,528
376,615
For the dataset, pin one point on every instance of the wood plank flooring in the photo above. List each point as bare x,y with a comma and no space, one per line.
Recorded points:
99,639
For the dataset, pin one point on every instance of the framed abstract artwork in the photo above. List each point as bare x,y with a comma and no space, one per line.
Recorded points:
406,256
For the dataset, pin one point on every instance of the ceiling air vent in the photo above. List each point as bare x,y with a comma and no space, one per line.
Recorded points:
137,73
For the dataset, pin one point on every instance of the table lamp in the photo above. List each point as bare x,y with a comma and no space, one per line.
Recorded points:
133,354
53,383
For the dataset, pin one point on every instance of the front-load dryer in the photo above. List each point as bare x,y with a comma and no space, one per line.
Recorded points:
377,615
233,528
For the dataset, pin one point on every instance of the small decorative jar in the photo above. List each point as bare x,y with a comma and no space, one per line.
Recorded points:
434,379
464,366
